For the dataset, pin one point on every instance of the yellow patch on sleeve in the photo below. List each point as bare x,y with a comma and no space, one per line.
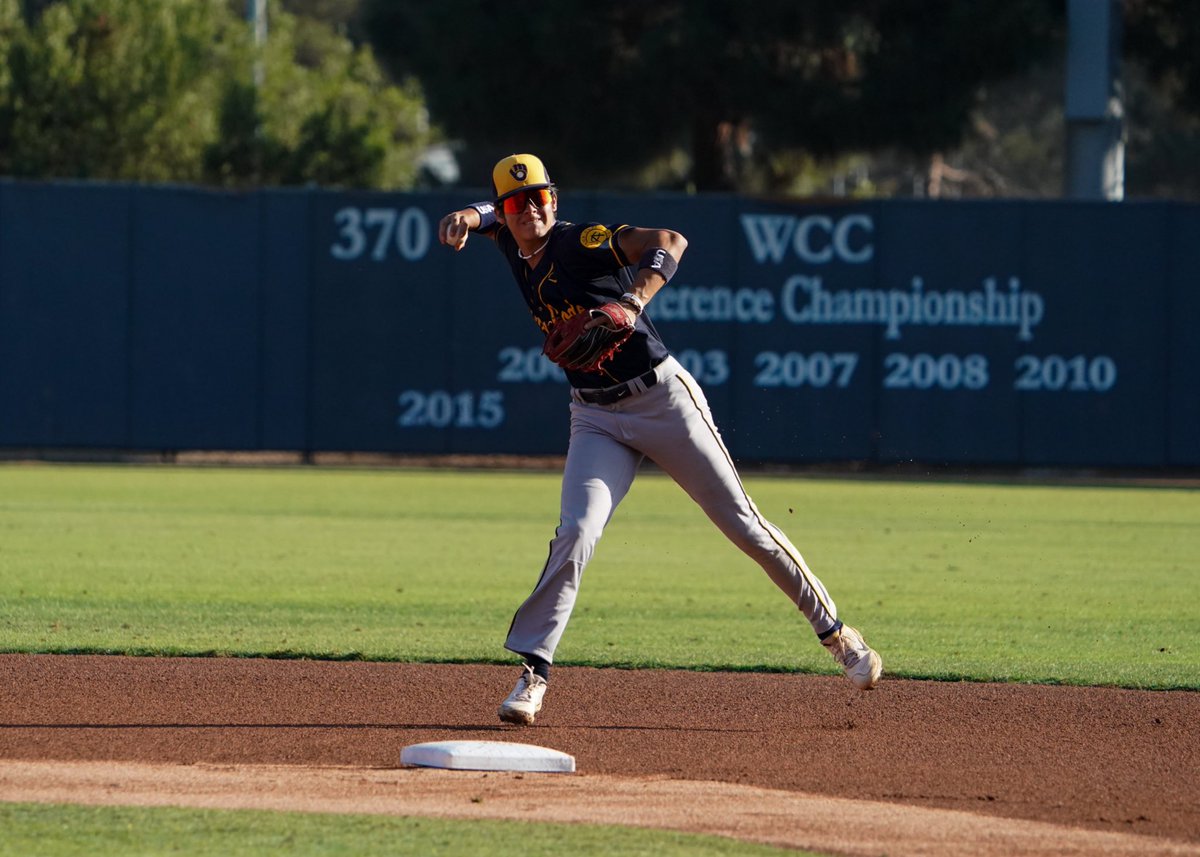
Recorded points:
594,236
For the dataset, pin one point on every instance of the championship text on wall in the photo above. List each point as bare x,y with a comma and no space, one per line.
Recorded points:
1028,333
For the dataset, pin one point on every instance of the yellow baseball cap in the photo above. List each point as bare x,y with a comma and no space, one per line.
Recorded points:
519,172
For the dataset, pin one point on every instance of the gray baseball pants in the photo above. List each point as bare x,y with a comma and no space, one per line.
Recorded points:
671,424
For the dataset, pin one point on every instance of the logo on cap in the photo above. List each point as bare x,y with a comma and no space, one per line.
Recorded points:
518,172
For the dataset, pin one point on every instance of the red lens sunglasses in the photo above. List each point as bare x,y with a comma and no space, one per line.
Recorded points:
516,203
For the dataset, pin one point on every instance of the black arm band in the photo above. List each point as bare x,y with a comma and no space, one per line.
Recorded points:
487,215
660,261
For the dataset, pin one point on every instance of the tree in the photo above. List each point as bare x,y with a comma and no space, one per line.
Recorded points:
1164,37
324,113
1162,97
165,90
607,91
111,89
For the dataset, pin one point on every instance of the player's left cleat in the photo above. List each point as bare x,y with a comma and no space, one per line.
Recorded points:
525,701
861,663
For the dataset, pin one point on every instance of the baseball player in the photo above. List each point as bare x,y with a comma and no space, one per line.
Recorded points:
587,286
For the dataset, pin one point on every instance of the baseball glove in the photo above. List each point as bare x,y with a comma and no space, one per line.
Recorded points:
572,347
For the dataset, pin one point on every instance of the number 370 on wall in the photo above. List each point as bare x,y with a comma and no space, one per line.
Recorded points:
380,233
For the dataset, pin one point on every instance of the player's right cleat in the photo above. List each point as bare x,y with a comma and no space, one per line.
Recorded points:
525,701
862,664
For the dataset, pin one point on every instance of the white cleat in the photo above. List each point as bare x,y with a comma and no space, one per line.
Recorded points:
861,663
525,701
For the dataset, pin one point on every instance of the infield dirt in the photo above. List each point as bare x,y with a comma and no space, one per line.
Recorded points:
800,761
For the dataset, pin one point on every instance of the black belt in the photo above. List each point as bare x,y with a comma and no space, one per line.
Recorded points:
609,395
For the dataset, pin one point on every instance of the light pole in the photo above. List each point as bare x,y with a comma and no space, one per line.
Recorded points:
256,14
1095,152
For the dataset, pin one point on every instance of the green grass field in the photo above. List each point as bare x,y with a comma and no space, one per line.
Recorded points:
137,832
976,581
1079,585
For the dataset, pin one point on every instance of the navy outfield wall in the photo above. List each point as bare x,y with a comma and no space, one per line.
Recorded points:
1025,333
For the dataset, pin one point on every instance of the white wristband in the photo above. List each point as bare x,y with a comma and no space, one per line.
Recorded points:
634,301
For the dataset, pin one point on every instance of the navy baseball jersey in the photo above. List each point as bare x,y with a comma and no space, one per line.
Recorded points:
581,268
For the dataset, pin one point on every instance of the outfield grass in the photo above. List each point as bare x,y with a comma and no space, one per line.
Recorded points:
66,831
1078,585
